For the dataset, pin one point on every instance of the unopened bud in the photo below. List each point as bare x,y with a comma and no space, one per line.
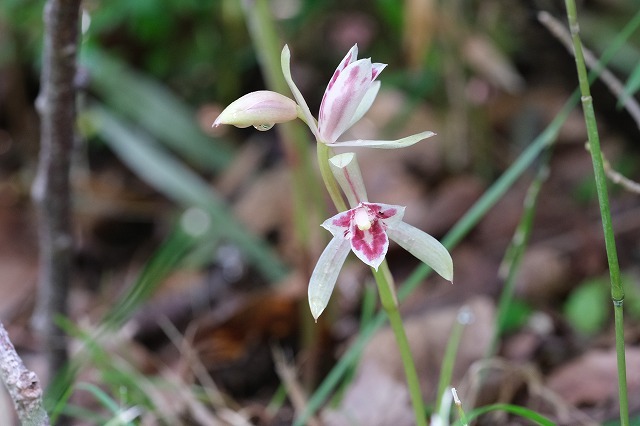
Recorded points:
261,109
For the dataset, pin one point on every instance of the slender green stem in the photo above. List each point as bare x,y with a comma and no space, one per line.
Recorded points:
390,304
324,152
617,291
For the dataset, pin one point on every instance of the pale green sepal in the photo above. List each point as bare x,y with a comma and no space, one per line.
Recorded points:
347,172
424,247
399,143
365,103
285,63
325,274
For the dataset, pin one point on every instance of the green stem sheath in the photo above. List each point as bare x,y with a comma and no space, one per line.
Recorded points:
617,291
324,153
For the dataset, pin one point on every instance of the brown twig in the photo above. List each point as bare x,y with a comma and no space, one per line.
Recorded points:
289,379
51,189
22,384
617,177
614,85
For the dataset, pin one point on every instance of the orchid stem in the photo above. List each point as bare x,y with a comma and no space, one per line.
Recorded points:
324,152
617,290
389,301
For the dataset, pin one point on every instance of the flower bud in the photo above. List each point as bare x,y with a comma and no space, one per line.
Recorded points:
261,109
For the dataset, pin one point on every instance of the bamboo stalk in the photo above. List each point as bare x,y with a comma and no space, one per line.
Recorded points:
617,290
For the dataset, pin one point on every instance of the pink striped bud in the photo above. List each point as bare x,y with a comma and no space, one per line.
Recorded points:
261,109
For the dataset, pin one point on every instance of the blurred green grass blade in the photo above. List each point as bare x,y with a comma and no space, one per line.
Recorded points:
116,372
154,108
84,414
164,260
523,412
100,396
631,86
514,255
179,183
464,317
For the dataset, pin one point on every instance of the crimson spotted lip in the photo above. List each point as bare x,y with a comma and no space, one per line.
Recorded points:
365,227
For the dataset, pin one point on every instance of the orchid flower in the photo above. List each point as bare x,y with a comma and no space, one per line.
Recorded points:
348,96
366,229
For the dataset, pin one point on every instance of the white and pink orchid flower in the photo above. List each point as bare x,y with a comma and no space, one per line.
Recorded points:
348,96
366,229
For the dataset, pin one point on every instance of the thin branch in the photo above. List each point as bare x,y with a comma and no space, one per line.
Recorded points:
22,384
51,189
617,177
614,85
288,378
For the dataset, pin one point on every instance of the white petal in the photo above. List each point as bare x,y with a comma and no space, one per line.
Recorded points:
285,63
399,143
424,247
366,102
342,99
390,214
376,69
339,225
345,169
325,274
350,57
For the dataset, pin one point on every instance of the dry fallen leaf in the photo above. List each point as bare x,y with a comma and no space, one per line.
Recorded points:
590,381
428,336
375,398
